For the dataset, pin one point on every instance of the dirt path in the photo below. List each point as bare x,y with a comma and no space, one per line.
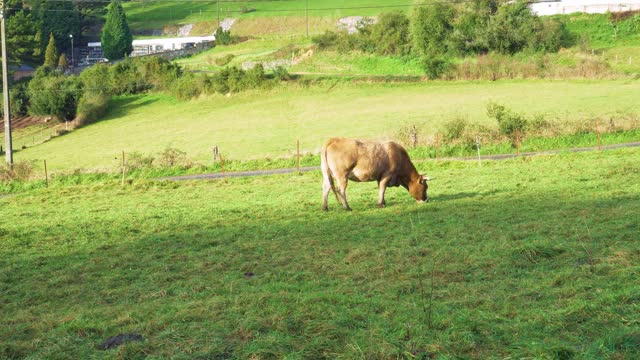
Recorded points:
314,168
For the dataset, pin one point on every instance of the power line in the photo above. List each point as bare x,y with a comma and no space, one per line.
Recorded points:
161,1
292,10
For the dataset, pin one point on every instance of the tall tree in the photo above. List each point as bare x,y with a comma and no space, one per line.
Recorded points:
21,27
63,63
60,18
51,54
116,36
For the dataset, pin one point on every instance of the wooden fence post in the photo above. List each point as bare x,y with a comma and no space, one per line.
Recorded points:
124,167
598,133
517,143
215,153
46,176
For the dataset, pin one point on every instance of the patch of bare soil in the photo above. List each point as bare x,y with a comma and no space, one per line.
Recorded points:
26,121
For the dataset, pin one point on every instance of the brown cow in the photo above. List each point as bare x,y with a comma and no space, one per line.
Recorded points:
363,160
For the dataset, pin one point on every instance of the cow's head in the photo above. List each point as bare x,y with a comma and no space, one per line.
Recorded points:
418,189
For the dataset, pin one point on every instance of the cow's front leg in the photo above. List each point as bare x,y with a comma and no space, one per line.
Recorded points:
382,186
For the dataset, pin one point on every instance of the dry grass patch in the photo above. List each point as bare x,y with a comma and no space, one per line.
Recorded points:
283,26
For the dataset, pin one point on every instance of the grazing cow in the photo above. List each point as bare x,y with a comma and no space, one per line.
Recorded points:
362,160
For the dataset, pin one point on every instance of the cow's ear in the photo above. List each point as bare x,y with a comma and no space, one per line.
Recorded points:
424,179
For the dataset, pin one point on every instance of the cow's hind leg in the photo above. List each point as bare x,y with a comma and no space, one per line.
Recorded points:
342,190
326,187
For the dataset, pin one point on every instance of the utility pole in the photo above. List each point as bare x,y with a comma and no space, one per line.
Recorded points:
5,91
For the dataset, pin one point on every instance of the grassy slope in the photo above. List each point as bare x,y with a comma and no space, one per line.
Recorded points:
323,62
267,124
154,15
245,51
621,50
259,124
531,258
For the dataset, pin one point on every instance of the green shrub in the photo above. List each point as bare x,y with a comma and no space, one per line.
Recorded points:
538,123
227,80
96,79
172,157
508,121
224,60
469,33
513,28
233,79
254,77
223,37
325,41
19,171
553,36
137,160
157,72
390,35
436,66
431,27
189,86
51,93
125,79
91,107
246,9
630,25
281,73
19,99
360,40
454,128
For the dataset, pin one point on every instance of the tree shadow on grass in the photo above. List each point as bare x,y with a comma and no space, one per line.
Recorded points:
122,105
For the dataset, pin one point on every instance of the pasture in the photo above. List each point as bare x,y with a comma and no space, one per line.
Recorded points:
526,258
323,13
267,123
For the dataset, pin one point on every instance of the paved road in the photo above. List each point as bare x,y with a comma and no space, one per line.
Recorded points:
312,168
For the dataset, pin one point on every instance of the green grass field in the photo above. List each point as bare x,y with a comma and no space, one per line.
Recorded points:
157,14
267,124
527,258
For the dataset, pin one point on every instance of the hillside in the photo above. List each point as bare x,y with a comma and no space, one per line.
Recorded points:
259,124
254,18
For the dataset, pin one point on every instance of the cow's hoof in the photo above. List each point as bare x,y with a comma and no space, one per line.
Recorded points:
325,209
380,206
348,209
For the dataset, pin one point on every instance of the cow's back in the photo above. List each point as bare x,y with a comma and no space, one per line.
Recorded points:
360,160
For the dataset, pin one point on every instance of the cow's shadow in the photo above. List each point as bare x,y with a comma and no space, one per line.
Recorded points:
462,195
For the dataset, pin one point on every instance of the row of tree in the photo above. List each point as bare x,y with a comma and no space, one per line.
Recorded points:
32,24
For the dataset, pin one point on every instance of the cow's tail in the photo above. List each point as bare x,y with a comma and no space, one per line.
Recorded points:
327,177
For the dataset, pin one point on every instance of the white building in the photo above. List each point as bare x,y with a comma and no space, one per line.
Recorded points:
153,46
584,6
